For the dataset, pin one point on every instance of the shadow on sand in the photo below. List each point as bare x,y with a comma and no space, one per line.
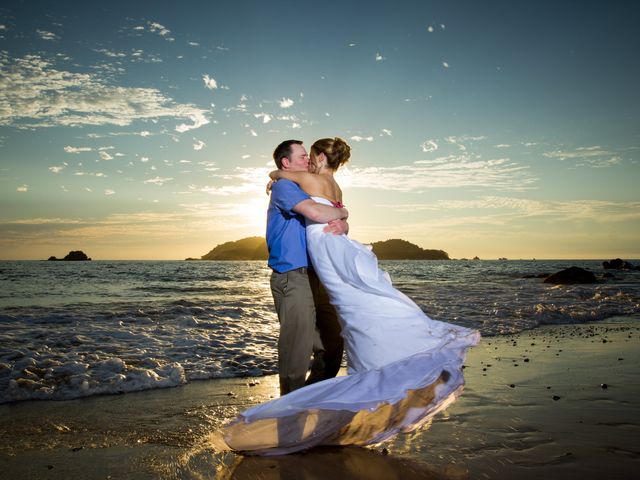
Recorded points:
351,463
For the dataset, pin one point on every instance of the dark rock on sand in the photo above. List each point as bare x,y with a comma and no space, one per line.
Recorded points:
571,275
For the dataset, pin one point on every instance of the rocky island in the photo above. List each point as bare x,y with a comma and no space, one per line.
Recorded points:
73,256
255,248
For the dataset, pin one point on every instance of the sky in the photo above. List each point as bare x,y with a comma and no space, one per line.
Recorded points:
144,129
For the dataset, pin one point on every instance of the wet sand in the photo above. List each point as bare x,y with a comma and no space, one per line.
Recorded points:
554,402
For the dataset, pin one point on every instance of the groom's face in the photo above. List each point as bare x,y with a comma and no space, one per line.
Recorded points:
298,161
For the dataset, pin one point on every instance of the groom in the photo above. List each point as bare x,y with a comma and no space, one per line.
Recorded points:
308,322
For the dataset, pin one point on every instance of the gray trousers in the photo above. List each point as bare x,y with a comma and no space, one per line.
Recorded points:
308,326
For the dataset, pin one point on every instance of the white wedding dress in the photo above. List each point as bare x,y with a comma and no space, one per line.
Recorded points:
403,367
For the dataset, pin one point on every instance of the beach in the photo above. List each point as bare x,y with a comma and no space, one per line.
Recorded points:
558,401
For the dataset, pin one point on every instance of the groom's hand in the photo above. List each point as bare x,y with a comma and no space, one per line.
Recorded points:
337,227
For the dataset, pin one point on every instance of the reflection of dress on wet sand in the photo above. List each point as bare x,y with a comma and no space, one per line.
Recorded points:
403,366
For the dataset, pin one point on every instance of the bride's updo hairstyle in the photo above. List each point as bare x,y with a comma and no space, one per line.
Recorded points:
335,149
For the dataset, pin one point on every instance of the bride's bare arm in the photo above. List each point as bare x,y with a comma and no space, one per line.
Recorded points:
309,182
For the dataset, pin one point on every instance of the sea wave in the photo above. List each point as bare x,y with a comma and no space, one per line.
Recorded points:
105,328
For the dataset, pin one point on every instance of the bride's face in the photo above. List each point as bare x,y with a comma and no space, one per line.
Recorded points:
313,163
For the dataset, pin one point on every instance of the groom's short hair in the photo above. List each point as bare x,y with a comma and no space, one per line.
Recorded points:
284,150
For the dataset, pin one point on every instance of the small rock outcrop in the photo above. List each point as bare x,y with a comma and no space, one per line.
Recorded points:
570,276
619,264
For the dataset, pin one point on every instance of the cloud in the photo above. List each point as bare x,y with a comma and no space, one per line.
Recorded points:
35,94
70,149
23,188
198,119
158,181
386,132
244,180
581,152
58,168
199,145
429,146
357,138
286,103
452,171
594,156
266,118
44,35
111,53
161,30
379,57
194,44
210,82
458,141
513,208
108,191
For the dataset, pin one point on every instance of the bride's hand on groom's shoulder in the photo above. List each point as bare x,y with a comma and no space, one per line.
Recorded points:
269,185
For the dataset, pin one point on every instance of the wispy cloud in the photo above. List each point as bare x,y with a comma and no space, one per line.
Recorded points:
358,138
161,30
429,146
594,156
35,94
266,118
581,152
199,145
45,35
159,181
513,208
70,149
243,180
209,82
446,172
57,168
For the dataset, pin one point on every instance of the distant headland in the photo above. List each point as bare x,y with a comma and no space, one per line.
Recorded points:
73,256
255,248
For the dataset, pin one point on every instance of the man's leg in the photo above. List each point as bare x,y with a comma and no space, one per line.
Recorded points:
329,330
296,312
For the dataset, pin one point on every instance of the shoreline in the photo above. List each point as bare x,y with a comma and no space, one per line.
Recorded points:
559,401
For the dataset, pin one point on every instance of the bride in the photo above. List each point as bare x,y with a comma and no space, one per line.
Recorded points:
403,367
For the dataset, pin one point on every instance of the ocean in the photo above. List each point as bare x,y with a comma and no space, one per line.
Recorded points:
75,329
